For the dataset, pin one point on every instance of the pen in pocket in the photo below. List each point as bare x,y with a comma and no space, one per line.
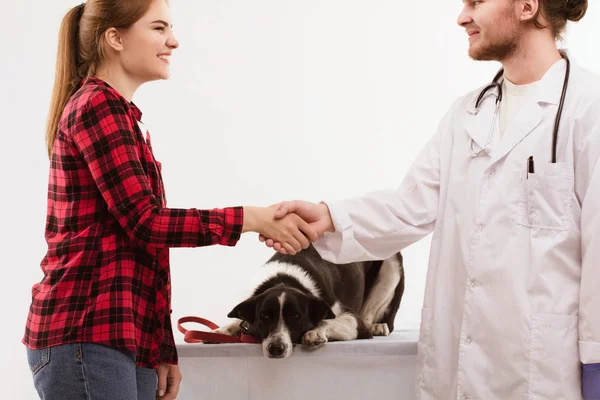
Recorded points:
530,166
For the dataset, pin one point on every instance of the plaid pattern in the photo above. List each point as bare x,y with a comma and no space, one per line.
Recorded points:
106,271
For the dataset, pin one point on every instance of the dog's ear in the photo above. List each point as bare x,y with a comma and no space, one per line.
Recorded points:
319,310
245,311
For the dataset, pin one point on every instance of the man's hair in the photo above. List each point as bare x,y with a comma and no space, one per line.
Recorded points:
558,13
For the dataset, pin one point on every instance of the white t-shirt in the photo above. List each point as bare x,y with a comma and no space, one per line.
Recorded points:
143,129
514,96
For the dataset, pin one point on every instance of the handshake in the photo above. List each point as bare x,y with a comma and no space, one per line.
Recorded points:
290,226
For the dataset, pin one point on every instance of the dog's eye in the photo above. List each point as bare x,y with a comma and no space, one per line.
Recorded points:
294,315
264,315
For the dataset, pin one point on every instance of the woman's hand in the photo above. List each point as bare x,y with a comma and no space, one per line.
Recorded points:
290,231
316,215
169,378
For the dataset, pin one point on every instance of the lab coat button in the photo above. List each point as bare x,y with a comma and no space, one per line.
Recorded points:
469,340
480,228
473,283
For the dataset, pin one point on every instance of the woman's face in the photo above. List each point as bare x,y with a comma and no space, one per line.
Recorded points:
147,45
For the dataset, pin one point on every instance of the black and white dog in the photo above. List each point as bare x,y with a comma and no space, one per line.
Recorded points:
305,299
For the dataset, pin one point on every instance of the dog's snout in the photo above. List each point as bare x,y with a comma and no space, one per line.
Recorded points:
276,349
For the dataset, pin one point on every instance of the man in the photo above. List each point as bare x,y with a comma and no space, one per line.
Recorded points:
510,297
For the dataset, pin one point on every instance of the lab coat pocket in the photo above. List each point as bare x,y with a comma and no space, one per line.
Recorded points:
546,197
424,350
554,357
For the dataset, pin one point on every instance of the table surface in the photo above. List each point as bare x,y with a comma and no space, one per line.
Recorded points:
400,342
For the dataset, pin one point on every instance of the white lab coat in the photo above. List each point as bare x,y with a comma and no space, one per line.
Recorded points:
514,274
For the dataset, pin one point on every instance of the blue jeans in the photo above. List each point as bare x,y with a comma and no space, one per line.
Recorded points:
88,371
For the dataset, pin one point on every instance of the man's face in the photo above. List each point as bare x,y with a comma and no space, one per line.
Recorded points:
493,28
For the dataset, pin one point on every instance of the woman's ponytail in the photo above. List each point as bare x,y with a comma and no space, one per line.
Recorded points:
67,71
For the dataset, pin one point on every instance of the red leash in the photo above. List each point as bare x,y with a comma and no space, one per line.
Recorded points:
190,336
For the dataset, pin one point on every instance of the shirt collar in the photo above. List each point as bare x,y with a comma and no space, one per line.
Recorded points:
548,89
129,105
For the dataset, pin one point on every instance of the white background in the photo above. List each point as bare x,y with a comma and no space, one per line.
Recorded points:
269,100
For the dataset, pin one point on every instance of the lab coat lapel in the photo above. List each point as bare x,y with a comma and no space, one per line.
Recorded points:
527,119
479,121
543,105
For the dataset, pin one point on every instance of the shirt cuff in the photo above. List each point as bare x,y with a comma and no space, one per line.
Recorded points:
339,246
590,381
233,219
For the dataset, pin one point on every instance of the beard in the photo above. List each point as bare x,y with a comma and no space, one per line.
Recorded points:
498,42
497,50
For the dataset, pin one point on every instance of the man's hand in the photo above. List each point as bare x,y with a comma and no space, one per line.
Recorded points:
291,231
317,216
169,378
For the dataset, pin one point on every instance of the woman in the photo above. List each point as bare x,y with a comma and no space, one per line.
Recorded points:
99,322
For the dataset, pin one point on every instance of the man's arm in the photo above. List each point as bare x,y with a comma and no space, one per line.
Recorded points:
381,223
587,188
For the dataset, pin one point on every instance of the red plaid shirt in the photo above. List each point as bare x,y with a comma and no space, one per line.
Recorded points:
106,271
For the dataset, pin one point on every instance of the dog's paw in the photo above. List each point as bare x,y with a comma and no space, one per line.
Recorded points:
314,339
380,330
230,330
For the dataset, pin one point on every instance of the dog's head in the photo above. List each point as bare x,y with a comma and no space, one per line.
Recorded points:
280,316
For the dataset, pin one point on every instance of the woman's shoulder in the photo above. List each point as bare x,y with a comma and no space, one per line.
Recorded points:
93,99
92,92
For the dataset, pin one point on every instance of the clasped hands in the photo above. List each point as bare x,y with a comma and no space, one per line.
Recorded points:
295,224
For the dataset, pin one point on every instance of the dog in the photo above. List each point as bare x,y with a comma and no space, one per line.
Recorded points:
304,299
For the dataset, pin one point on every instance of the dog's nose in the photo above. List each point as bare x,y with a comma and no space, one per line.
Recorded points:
276,349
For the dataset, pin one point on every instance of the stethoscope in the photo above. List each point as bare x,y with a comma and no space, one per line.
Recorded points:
498,85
